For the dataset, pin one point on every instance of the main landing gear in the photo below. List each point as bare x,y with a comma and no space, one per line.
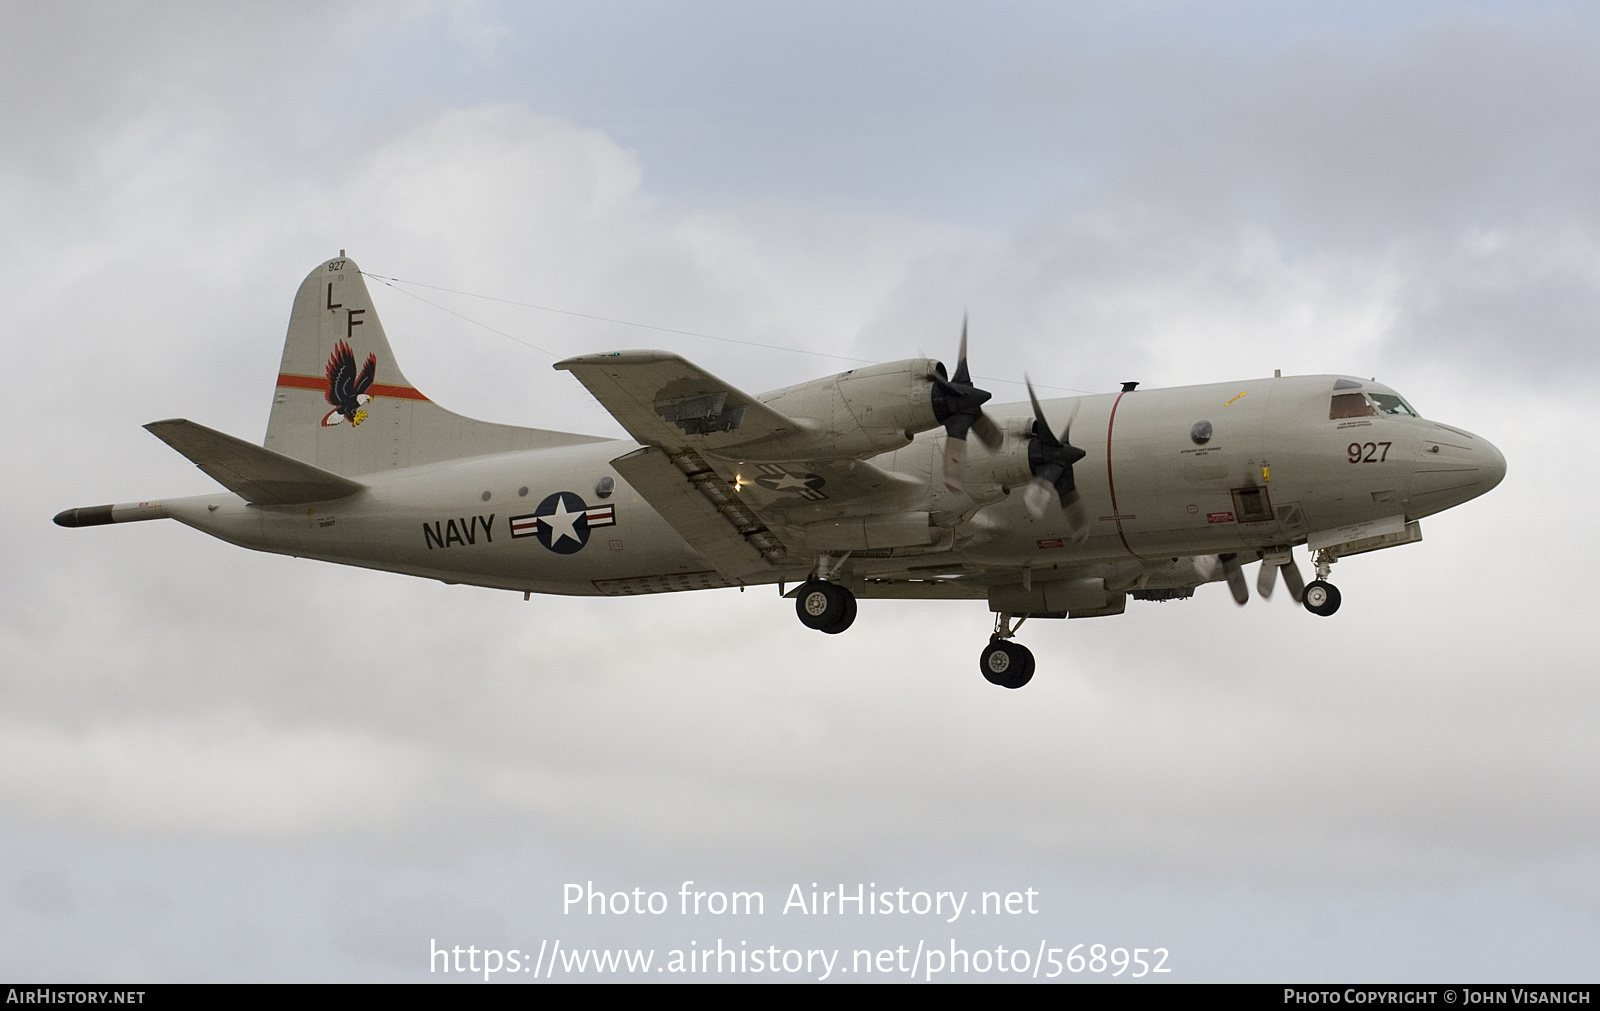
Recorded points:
1004,662
1320,596
831,608
826,607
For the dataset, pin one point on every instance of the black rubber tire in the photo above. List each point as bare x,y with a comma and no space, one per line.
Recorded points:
848,617
826,607
1321,597
1006,663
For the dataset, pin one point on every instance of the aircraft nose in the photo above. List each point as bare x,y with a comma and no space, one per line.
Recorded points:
1452,467
1493,465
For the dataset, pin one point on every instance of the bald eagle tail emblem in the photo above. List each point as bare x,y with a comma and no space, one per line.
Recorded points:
347,391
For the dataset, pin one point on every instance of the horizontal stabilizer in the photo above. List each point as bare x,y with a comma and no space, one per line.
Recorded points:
252,472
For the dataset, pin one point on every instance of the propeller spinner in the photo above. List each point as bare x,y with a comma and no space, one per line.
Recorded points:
958,405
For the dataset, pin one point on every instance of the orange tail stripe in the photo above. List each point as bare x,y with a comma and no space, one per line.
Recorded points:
320,384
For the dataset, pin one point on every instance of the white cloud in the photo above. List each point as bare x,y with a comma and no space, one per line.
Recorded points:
207,776
158,685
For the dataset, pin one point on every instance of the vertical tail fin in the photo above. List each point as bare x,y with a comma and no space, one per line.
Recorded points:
342,402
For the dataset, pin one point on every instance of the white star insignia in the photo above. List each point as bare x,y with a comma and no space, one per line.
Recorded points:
562,524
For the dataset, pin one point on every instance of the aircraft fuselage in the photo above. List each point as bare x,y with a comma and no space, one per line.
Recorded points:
1169,473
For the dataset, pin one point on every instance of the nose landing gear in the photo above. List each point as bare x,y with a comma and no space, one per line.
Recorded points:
1320,596
1003,662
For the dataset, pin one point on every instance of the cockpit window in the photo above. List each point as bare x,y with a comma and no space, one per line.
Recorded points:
1350,405
1388,403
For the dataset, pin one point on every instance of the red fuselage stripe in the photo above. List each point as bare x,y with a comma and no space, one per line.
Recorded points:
1111,484
320,384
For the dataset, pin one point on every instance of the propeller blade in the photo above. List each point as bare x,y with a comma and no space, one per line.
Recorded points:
1037,496
962,376
1235,577
988,431
958,405
955,458
1077,516
1292,579
1066,433
1046,436
1266,580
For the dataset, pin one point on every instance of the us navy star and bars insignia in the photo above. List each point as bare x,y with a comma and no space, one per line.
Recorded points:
562,522
775,478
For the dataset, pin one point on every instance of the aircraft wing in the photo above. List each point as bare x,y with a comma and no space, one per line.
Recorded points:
252,472
705,510
759,518
745,518
664,400
821,489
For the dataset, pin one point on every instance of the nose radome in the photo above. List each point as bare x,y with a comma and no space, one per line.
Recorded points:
1493,466
1452,467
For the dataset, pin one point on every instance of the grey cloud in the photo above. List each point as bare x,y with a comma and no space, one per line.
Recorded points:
387,929
75,74
1528,307
45,889
1403,152
1457,122
167,690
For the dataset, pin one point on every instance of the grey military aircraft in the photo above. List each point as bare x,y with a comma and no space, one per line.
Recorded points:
857,485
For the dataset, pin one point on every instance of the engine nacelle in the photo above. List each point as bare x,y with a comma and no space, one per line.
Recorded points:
990,474
856,414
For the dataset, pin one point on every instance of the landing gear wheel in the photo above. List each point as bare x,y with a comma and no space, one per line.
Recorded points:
826,607
848,617
1321,598
1007,664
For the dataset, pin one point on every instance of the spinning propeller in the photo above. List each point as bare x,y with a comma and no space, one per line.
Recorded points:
1266,580
1051,459
959,406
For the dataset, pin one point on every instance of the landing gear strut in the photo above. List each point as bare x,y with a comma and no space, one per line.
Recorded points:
1003,662
826,607
1322,597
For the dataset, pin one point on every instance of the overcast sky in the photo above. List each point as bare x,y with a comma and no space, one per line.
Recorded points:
220,765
